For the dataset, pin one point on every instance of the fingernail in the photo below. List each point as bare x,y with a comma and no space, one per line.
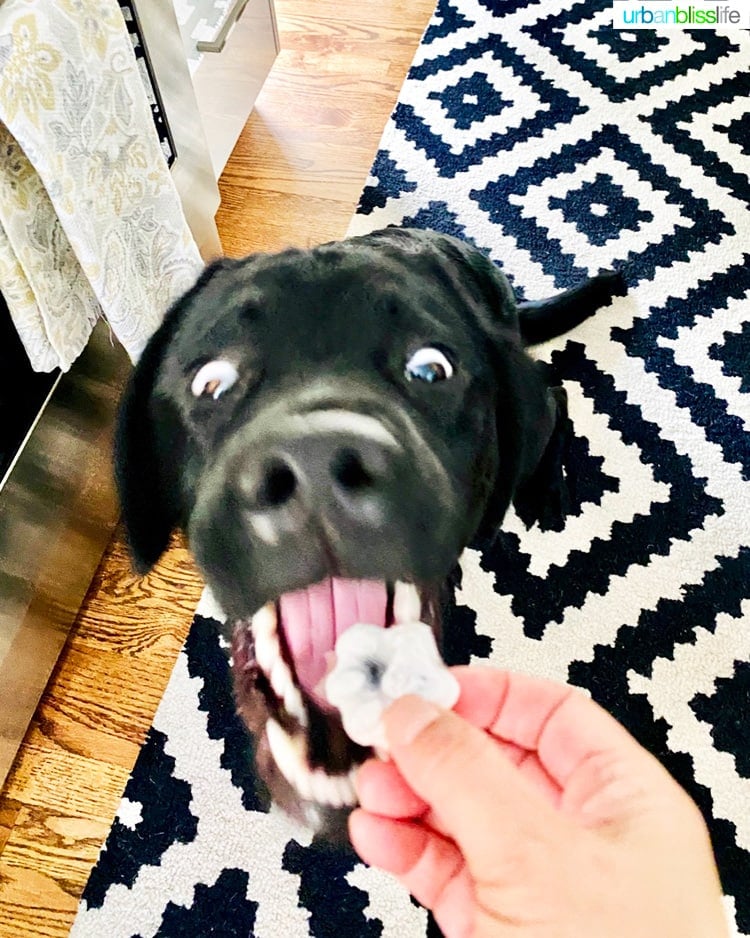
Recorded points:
407,717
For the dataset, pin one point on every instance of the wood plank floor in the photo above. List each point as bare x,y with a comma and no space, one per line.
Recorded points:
293,179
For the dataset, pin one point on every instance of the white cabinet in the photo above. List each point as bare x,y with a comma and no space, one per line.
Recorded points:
231,46
209,59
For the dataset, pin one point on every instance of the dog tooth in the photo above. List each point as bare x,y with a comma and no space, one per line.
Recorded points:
347,794
264,620
266,654
288,757
407,606
312,785
283,683
303,785
337,798
328,789
319,787
266,637
280,677
294,704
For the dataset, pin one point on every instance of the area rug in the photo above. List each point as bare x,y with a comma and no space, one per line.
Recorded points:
559,147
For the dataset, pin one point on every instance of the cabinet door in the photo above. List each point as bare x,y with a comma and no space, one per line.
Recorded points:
230,52
192,168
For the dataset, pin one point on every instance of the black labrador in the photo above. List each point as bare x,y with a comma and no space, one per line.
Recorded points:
332,427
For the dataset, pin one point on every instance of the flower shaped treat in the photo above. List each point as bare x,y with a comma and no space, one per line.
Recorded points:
375,666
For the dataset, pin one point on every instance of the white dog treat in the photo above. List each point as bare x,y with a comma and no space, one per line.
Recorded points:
374,666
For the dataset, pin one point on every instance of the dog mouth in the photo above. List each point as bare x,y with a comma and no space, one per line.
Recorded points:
280,657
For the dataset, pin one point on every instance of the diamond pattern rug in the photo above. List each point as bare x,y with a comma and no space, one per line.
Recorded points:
559,147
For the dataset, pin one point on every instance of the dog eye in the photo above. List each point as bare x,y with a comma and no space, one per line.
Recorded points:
429,364
213,379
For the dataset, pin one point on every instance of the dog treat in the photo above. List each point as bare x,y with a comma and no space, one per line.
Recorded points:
374,666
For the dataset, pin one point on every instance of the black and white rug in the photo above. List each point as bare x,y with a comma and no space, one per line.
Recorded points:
560,147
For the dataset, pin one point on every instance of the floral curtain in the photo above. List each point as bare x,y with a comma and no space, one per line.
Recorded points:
90,222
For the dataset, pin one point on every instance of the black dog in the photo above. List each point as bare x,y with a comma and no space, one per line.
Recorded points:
333,427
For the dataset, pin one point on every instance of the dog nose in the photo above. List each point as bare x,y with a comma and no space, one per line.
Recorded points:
318,476
348,472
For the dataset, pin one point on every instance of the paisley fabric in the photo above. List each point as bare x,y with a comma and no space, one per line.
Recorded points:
90,222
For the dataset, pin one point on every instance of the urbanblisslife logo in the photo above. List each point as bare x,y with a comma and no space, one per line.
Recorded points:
672,14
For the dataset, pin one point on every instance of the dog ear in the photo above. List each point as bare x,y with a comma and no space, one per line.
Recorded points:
542,496
143,471
150,441
532,431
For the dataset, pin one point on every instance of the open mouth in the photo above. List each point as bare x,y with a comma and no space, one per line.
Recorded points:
283,653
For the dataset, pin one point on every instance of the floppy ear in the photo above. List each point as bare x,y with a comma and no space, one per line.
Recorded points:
150,442
533,427
143,471
542,497
532,430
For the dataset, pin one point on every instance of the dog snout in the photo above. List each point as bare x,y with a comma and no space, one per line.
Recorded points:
300,495
312,472
320,476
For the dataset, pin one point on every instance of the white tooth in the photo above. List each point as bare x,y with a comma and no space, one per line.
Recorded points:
283,683
407,606
280,677
288,755
303,784
294,704
268,656
288,752
335,790
264,620
347,794
321,790
265,637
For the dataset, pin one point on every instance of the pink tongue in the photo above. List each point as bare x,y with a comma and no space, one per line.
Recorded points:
314,618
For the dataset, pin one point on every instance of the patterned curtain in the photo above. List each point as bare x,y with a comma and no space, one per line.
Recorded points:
90,222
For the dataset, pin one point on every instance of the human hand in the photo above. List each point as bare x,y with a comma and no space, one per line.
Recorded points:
530,812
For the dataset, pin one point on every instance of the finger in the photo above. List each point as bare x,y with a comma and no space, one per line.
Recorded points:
559,722
534,772
580,732
381,789
439,755
429,866
514,707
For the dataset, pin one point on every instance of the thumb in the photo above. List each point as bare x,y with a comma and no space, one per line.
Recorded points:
477,793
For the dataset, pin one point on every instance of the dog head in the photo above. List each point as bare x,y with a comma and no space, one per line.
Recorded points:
331,428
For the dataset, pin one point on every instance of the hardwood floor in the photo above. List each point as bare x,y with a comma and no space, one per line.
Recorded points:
293,179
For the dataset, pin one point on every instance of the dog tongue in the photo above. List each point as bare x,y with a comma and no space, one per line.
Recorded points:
313,618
